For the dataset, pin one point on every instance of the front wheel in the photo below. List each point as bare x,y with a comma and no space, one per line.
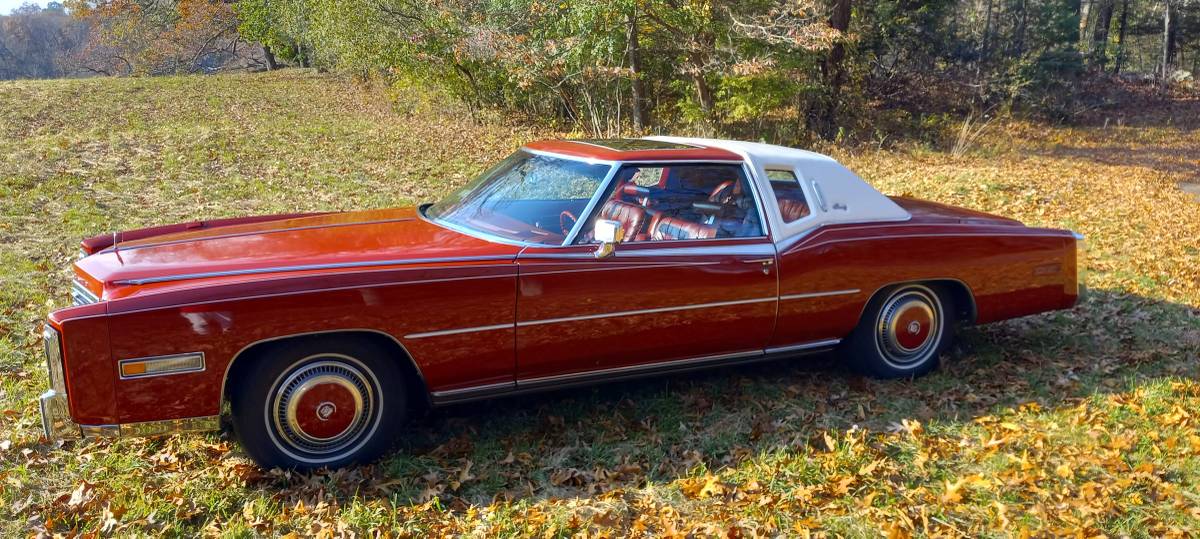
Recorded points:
319,401
902,332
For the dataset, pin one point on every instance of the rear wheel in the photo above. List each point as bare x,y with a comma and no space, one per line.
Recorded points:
321,401
902,332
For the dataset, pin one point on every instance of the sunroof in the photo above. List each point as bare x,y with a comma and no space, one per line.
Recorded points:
634,144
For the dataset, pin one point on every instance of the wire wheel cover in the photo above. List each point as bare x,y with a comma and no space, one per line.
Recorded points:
324,406
909,327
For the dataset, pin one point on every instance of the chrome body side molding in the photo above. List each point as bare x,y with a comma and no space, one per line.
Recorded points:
803,347
312,267
819,294
473,392
444,332
252,233
617,314
627,372
614,314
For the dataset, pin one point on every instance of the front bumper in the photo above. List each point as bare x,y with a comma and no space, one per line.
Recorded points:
57,423
56,417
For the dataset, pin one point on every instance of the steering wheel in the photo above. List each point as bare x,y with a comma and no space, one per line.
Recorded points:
564,218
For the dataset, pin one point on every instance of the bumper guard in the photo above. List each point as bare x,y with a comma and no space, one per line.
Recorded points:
56,417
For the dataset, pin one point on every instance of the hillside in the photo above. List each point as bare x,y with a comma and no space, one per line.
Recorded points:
1075,421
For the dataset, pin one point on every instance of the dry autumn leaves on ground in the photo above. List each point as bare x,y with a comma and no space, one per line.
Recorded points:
1081,423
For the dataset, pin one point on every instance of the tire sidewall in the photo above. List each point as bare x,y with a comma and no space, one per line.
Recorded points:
252,401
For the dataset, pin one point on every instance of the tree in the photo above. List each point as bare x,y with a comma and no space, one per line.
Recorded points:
636,84
33,41
1168,39
1121,27
149,37
1099,53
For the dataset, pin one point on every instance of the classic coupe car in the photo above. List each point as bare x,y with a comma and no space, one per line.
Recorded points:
569,262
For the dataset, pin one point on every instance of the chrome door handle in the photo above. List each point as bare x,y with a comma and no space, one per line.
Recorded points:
766,263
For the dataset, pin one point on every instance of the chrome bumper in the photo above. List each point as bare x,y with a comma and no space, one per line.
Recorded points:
57,423
1081,252
56,417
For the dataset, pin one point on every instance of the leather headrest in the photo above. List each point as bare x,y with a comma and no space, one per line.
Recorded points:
633,189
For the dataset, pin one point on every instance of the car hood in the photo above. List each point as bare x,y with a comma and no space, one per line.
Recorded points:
322,242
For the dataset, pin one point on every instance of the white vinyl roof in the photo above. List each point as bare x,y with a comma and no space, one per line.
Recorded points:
835,195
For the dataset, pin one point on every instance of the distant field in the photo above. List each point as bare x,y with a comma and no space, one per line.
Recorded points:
1078,421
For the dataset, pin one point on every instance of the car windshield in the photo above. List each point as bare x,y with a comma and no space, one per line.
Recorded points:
527,197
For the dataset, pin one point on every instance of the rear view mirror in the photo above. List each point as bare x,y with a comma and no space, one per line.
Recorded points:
609,234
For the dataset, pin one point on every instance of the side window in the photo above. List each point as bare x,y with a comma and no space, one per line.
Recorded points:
786,186
680,202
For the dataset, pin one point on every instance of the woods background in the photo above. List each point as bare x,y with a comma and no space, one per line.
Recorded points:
870,71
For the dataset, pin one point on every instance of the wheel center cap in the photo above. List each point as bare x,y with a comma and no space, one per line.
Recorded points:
914,327
325,410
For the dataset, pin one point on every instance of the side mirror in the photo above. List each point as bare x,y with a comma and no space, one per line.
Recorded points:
609,234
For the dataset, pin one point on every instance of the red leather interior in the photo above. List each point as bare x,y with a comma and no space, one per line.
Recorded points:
691,202
634,190
634,193
724,193
631,216
792,209
670,228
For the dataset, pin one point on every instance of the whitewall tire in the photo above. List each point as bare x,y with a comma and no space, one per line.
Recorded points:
318,401
902,332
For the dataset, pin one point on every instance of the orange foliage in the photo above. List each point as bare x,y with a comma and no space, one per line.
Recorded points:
144,37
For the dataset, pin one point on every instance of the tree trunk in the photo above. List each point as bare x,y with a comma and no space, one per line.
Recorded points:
272,65
986,42
1167,45
703,46
1121,36
703,92
1173,39
1085,11
839,20
470,78
834,70
635,68
300,58
1100,34
1019,43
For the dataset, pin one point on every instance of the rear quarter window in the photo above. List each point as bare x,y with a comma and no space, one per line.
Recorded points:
793,206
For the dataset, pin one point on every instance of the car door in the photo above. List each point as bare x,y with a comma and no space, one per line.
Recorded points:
681,290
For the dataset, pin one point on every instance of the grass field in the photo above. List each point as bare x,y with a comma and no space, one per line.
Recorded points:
1074,423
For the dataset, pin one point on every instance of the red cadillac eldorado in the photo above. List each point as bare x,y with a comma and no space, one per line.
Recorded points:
570,262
